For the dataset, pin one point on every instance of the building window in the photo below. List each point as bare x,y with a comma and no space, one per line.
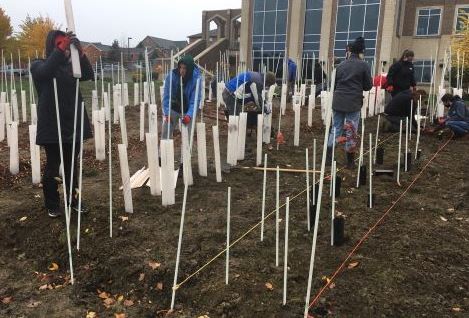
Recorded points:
269,33
423,71
312,33
428,21
462,14
355,19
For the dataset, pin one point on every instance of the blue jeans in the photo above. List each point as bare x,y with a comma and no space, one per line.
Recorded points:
459,127
345,123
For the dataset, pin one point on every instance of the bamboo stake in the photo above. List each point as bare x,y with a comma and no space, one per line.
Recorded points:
277,217
285,260
263,197
178,254
307,191
333,176
376,139
399,154
406,143
67,208
360,160
318,205
371,171
228,217
314,174
80,175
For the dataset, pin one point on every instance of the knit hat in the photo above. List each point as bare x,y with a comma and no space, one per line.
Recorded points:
358,46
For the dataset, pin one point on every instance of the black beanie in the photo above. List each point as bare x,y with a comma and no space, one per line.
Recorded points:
358,46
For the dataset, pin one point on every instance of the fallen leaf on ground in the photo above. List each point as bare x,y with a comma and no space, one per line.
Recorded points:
326,279
352,265
108,302
141,277
91,314
116,315
128,303
44,287
443,219
204,316
103,295
23,218
53,267
33,304
154,265
124,218
456,309
159,286
450,210
332,285
6,300
269,286
120,298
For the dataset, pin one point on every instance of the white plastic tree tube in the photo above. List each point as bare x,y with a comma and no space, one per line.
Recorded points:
153,166
216,149
125,175
202,149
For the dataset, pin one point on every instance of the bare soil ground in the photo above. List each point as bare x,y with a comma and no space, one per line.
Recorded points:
415,263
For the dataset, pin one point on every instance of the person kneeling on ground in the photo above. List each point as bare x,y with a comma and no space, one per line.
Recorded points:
399,108
353,76
57,64
182,81
457,119
246,88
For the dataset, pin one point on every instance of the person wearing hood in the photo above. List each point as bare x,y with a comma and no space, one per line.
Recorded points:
353,76
457,119
246,87
57,64
182,81
401,74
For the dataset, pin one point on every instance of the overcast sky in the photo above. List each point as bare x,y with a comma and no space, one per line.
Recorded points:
105,20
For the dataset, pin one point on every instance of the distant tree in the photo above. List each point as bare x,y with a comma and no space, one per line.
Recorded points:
114,53
460,45
33,33
5,30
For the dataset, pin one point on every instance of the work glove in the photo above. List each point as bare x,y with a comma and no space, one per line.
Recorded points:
390,88
74,40
186,120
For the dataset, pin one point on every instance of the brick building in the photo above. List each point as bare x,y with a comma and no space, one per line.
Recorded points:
300,28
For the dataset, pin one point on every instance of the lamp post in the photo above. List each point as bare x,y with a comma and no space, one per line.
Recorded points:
128,48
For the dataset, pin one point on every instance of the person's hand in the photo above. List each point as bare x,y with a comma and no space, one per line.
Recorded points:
390,88
62,43
186,120
441,121
74,40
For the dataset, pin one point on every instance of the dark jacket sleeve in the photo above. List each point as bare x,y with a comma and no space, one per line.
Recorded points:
459,112
45,69
393,70
367,82
87,72
412,77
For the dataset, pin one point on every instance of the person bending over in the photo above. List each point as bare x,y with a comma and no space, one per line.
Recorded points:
245,87
57,64
399,108
457,119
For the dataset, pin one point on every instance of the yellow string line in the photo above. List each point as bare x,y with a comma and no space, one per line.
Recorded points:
259,223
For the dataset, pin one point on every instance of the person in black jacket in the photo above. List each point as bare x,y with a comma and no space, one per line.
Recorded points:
401,74
399,108
57,64
353,76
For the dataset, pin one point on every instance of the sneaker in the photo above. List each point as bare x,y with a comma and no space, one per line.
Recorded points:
84,209
54,213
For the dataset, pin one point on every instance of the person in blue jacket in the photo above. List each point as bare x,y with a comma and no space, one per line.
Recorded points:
182,107
458,115
291,66
245,86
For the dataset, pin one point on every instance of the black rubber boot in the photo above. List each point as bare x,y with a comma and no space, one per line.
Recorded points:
350,156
